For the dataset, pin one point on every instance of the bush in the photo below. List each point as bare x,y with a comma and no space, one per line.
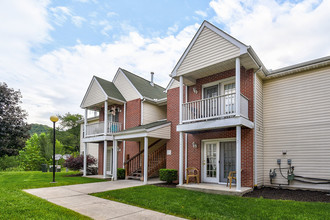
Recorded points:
9,162
121,173
168,175
77,163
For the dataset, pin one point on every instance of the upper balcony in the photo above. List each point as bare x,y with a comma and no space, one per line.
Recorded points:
97,129
218,107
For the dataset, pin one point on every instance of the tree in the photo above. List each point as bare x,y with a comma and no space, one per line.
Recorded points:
30,156
13,128
71,137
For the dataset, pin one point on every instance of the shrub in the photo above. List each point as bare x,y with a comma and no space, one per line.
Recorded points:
77,163
168,175
9,162
121,173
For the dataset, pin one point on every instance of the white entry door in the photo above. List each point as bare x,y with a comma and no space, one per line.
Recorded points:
210,162
109,161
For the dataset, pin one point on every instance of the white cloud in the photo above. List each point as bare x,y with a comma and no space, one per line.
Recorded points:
57,81
201,13
61,14
281,33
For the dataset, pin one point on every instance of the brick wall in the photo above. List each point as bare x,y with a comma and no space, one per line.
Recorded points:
194,155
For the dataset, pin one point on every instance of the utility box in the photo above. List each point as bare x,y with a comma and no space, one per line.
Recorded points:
58,168
44,168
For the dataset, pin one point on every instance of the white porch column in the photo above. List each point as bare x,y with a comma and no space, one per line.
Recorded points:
181,159
114,161
85,123
124,142
238,158
85,159
238,86
105,117
105,151
145,166
180,99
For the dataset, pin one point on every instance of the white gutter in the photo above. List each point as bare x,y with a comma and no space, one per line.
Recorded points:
142,100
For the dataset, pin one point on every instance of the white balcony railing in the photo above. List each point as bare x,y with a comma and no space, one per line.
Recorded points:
215,107
98,128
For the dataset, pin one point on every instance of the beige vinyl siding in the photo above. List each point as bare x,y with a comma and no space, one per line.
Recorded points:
125,87
259,132
297,119
92,148
209,48
152,113
163,133
95,95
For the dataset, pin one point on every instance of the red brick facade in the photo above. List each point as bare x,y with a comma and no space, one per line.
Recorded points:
194,155
133,119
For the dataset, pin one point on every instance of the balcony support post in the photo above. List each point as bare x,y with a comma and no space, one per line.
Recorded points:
114,159
181,159
238,86
105,117
145,161
85,124
180,100
238,158
105,151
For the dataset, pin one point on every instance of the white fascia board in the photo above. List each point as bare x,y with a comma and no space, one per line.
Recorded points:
158,127
129,81
215,124
155,101
97,139
115,77
118,100
130,136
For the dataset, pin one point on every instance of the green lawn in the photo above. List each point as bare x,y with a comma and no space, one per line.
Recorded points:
16,204
197,205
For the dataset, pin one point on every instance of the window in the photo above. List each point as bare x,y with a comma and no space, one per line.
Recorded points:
219,98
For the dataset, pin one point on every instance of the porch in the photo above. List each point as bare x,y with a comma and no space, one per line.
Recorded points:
97,129
215,188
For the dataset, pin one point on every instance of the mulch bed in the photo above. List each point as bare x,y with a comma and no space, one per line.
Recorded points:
74,175
287,194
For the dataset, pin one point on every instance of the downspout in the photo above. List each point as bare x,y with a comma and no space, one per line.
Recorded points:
142,100
255,127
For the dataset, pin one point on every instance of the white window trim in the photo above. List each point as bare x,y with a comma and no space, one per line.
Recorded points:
219,82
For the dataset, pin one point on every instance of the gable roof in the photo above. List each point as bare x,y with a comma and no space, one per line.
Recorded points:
242,47
110,89
144,87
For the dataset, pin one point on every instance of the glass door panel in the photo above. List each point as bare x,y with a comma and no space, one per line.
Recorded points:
210,162
229,90
227,159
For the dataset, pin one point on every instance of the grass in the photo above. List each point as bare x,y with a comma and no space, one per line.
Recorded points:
197,205
16,204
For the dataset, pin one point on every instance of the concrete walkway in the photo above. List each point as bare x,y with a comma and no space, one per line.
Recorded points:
76,198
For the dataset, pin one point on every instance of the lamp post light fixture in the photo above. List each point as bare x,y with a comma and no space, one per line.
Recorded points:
54,119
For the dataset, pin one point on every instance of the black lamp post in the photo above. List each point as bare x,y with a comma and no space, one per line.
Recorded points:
54,119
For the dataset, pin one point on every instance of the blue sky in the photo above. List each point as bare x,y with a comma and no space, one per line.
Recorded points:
51,49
